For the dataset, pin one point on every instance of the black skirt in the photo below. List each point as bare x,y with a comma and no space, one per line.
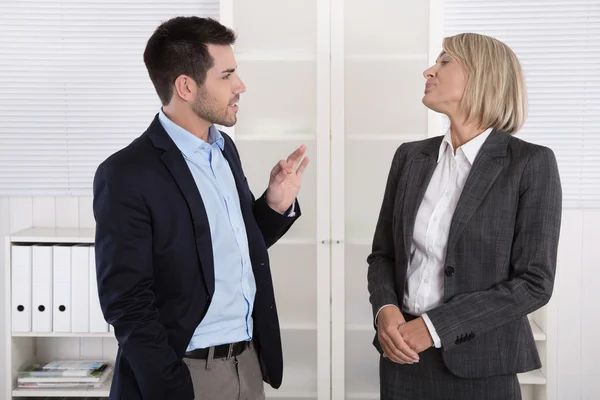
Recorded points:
430,379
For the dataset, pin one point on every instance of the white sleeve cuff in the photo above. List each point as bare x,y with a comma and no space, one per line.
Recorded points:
382,307
292,211
437,342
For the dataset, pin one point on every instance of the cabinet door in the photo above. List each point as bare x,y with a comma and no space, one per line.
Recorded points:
282,53
381,48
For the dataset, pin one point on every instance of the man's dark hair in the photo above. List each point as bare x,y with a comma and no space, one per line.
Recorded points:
179,46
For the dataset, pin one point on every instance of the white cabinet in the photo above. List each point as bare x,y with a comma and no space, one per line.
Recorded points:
282,52
382,53
26,347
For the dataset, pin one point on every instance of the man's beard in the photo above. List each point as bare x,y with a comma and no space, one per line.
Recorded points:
206,108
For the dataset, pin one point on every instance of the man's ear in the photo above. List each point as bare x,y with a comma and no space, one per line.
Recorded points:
185,88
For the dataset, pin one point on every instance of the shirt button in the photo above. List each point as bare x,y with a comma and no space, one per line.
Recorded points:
430,249
426,280
435,219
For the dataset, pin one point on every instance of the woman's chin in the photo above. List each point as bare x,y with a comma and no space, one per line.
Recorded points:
431,104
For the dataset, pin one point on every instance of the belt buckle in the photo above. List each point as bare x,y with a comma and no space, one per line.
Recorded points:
230,351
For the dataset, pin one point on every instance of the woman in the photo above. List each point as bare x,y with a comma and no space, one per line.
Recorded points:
466,241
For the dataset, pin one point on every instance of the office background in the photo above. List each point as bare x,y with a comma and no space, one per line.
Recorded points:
343,77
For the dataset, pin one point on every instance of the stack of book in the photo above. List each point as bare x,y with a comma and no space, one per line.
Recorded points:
72,398
70,374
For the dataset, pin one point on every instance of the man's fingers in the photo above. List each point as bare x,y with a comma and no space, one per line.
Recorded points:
281,170
295,157
302,166
277,168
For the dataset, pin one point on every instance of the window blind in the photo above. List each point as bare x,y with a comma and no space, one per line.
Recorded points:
558,44
73,86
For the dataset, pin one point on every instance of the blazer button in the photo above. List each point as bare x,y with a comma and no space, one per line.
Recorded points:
207,298
449,271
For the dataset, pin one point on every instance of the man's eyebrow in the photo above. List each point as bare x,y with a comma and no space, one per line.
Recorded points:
228,71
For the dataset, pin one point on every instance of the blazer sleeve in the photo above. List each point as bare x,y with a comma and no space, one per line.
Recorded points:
533,261
272,224
125,278
381,274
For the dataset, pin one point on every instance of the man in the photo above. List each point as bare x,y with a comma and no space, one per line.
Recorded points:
181,243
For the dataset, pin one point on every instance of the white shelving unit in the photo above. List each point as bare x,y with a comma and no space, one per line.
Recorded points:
24,348
283,50
101,392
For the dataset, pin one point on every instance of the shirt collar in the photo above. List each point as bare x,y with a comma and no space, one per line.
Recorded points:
187,142
470,149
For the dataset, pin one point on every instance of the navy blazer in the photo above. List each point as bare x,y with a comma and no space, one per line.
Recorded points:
155,269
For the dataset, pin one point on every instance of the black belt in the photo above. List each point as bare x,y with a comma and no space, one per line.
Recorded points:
221,351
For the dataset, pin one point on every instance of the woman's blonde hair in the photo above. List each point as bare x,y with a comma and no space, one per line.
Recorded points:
495,92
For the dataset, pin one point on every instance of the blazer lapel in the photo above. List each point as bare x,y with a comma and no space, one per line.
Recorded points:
185,181
486,168
420,171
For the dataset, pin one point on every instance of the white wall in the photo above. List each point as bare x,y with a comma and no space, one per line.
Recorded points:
577,300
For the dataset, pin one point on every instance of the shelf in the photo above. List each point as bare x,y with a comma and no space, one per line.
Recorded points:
298,327
277,394
362,396
64,334
391,137
102,391
87,235
538,334
284,327
275,137
532,378
387,57
295,241
276,55
360,328
360,242
54,235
